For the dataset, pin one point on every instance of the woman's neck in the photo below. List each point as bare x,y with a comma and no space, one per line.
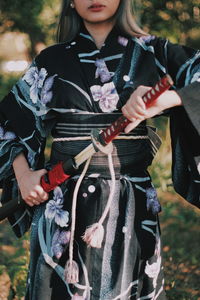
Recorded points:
99,32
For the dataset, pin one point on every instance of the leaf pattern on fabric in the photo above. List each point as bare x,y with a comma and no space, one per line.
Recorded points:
54,209
106,95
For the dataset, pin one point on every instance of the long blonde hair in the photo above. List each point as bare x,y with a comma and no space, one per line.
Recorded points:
70,22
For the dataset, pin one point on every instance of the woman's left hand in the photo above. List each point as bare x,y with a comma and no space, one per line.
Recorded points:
135,109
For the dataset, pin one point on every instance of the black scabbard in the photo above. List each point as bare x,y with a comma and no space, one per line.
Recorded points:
9,208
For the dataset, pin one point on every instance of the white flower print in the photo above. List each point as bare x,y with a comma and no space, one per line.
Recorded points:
6,135
46,93
35,78
198,167
54,209
196,77
152,270
106,95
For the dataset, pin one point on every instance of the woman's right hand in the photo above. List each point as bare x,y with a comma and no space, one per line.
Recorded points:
31,190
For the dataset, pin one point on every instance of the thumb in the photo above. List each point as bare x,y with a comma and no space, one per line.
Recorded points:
42,172
132,125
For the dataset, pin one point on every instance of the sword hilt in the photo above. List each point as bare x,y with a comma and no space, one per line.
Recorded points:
108,134
57,175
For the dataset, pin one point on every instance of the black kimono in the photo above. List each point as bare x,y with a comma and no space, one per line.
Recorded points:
69,90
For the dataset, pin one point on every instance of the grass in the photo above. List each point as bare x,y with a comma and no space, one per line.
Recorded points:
180,228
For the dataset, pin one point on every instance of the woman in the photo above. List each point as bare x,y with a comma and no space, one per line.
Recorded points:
78,85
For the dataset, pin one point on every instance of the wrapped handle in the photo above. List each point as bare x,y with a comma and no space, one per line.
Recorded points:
108,134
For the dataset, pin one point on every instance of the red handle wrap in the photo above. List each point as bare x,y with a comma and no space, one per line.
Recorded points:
108,134
54,177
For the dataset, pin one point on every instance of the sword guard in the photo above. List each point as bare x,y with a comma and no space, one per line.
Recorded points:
95,137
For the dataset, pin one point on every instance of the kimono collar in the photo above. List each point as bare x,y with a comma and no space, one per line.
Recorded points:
115,41
101,68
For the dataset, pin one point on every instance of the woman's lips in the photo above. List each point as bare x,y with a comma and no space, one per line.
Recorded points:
96,7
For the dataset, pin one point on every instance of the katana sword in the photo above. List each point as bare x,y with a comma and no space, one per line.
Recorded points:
101,141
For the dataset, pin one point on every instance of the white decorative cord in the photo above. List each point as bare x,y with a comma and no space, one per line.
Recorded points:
86,138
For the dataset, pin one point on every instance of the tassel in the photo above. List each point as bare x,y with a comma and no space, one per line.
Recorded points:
71,272
93,235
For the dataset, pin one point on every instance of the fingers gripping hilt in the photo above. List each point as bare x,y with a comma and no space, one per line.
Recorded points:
108,134
54,177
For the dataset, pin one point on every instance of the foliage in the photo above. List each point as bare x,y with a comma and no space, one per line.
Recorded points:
6,83
35,18
14,259
180,239
177,20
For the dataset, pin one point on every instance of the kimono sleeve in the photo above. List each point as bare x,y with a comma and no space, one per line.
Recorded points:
23,128
184,66
190,96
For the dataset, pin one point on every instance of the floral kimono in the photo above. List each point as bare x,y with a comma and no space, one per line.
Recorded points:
70,90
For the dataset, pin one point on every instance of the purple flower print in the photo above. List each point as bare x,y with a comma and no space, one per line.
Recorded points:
6,135
57,250
60,239
35,78
122,41
152,201
102,71
64,237
55,236
56,247
106,95
147,38
54,209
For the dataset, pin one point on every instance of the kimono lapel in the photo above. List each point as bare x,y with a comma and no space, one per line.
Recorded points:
99,67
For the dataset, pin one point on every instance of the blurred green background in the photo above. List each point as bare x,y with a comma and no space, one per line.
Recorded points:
26,28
